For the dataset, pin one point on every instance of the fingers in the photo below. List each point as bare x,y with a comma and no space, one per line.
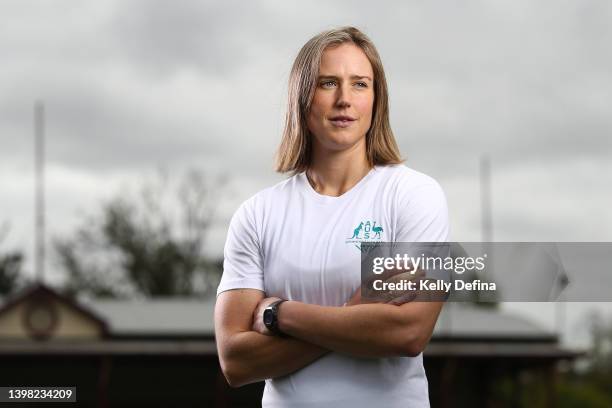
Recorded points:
407,297
399,296
389,273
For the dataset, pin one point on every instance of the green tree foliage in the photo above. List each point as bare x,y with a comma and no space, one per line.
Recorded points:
148,244
591,386
10,267
599,372
573,394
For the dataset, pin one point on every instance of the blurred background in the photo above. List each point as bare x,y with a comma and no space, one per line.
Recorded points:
130,131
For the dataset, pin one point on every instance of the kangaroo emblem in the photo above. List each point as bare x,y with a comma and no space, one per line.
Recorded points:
357,231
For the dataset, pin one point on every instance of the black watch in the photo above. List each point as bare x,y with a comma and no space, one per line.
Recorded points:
270,317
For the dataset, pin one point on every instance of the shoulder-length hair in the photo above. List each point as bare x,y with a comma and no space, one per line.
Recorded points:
295,150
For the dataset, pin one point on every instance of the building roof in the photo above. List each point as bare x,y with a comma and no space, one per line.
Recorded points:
180,326
164,317
465,320
195,317
187,316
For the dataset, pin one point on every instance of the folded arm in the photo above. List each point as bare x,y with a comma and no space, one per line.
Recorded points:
247,356
248,352
365,330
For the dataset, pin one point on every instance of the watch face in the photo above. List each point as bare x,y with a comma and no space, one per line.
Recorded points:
268,317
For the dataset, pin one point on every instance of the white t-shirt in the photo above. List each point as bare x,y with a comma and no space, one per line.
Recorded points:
294,243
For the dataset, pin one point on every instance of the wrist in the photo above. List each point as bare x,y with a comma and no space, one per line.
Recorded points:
285,322
271,317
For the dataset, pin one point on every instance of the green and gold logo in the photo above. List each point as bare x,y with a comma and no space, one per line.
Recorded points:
366,231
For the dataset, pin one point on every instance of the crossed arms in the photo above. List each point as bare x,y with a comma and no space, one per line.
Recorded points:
248,353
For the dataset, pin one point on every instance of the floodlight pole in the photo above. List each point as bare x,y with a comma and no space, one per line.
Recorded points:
39,152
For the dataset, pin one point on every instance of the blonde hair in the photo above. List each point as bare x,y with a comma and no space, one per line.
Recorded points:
295,150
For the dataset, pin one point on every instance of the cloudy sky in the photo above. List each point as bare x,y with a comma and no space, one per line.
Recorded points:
131,86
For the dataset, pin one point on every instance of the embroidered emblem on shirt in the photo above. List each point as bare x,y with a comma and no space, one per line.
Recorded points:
366,231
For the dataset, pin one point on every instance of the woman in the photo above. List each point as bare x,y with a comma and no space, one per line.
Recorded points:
288,308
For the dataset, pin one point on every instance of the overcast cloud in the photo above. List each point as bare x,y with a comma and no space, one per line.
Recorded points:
130,86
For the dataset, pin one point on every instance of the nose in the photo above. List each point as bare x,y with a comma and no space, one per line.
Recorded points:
343,96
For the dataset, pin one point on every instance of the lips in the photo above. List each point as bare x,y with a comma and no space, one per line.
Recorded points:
342,117
341,120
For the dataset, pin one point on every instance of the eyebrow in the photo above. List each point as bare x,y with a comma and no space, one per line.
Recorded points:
352,77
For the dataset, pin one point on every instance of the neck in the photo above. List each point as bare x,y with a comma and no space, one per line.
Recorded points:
335,172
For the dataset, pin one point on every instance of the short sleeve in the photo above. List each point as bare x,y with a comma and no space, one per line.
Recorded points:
242,259
422,214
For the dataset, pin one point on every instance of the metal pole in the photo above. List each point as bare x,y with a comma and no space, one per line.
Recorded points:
39,147
485,199
486,216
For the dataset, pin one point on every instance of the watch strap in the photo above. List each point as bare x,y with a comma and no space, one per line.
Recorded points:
273,325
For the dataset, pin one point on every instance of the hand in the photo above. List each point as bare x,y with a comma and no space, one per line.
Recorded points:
355,298
258,324
399,297
391,297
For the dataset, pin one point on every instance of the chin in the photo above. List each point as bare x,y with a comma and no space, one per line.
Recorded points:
339,142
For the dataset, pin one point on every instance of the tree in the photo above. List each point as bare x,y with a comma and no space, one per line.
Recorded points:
590,385
600,353
146,245
10,266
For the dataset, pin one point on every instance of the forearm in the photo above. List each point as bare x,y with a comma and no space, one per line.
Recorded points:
367,330
250,357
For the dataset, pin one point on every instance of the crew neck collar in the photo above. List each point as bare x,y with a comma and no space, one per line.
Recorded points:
311,193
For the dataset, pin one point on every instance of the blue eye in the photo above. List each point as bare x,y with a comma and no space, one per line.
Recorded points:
362,84
328,83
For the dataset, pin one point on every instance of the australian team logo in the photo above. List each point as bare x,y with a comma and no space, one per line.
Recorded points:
366,231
